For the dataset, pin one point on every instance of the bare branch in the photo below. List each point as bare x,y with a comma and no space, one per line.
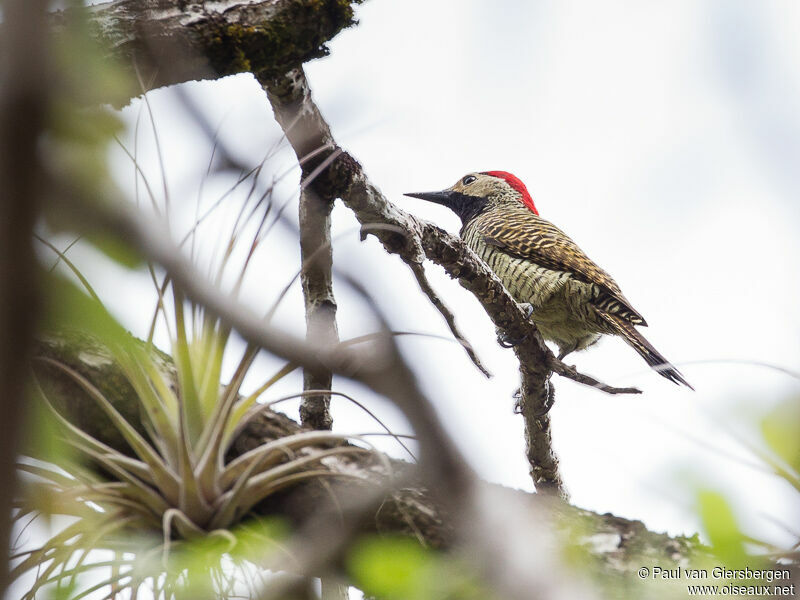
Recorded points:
569,372
320,305
538,438
164,43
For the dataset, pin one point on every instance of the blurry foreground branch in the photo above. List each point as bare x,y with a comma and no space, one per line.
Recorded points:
24,95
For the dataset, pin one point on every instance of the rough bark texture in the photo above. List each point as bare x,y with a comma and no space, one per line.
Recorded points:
164,42
315,247
317,283
617,544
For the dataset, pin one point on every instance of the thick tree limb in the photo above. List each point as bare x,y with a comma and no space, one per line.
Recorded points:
164,42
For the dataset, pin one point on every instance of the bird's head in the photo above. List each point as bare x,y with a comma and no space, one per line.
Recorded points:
476,192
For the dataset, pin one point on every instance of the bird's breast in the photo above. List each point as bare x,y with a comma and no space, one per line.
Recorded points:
525,280
560,301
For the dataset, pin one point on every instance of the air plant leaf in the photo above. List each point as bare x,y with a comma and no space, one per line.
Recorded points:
165,478
148,493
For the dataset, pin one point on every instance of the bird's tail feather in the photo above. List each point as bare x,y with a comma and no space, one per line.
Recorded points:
645,349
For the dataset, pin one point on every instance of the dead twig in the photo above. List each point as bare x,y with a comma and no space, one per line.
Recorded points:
449,317
570,372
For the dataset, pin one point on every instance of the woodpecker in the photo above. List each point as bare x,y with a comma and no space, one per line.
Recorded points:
572,300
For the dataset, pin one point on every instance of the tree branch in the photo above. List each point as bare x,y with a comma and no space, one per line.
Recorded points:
449,317
320,305
414,240
164,42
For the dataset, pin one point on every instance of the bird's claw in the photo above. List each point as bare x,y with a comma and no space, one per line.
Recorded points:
517,395
527,307
507,341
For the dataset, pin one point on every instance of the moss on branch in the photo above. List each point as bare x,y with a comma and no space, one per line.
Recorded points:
160,45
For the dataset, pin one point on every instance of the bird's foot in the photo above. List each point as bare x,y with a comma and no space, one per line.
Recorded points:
506,341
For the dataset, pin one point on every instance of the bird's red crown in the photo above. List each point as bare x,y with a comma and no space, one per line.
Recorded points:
516,183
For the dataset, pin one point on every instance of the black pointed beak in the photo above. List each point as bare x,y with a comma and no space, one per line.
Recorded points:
445,197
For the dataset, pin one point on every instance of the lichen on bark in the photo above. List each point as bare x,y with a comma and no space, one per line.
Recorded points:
158,45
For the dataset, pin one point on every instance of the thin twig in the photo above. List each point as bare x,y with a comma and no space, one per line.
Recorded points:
449,317
570,372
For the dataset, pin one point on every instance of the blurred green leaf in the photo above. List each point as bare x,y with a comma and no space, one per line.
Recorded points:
66,591
43,439
401,569
719,522
78,145
82,126
257,535
117,250
781,431
392,568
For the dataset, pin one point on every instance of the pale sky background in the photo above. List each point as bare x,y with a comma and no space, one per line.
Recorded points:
664,138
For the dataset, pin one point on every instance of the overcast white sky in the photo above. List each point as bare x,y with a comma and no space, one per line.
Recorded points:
663,137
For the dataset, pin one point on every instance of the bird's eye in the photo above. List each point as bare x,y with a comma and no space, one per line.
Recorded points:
468,179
